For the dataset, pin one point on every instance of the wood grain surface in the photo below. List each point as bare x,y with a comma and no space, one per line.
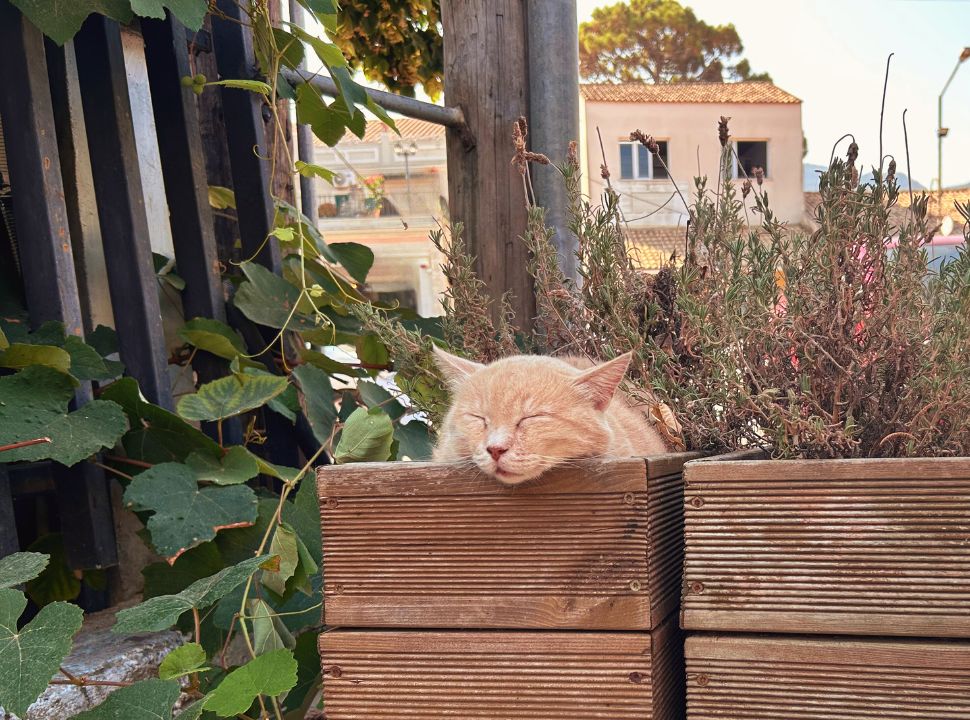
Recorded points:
737,677
511,675
596,546
865,547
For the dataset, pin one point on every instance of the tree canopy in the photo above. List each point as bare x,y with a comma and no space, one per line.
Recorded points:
395,42
659,41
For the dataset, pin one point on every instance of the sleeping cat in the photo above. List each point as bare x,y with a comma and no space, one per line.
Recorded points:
521,415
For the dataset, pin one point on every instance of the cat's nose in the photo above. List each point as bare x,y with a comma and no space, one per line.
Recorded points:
497,451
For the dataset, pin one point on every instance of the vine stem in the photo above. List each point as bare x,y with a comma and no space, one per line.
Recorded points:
24,443
110,469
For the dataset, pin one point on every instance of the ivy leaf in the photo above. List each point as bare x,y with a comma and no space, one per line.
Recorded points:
213,336
156,435
163,611
185,514
190,13
237,466
18,568
150,699
271,674
355,258
21,355
230,396
317,400
30,656
269,632
366,437
60,21
183,660
33,404
221,198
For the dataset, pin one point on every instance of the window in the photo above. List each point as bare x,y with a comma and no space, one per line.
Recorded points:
751,154
636,162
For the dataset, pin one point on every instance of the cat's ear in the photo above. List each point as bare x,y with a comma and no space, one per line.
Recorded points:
600,383
455,368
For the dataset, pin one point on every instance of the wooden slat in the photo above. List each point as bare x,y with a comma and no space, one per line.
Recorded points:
9,540
121,206
502,676
596,546
869,547
777,678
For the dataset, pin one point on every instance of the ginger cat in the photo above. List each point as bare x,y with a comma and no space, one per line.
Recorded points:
519,416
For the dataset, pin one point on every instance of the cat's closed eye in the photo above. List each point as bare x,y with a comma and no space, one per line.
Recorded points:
472,418
536,416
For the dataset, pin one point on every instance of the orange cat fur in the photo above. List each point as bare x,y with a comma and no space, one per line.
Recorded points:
519,416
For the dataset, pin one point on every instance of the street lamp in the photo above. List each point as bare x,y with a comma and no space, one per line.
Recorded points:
942,132
406,150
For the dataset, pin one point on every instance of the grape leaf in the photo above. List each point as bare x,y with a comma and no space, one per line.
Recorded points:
190,13
30,656
20,567
185,514
283,545
33,404
366,437
20,355
271,674
191,712
269,632
86,363
163,611
183,660
317,400
355,258
230,396
60,20
213,336
146,700
237,466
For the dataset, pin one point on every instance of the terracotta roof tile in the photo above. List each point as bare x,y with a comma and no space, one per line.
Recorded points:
949,197
652,247
688,92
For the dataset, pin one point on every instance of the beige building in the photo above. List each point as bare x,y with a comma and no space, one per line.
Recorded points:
765,127
390,192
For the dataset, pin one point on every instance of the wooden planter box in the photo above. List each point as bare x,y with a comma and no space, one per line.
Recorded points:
856,547
778,678
598,546
518,675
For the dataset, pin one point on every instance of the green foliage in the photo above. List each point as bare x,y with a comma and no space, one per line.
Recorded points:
397,43
659,41
33,404
230,396
366,437
60,21
270,674
237,466
19,567
214,337
184,513
183,660
31,655
146,700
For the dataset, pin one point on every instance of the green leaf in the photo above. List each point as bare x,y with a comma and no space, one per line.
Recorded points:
325,7
18,568
309,170
381,113
86,363
414,441
190,13
284,546
33,404
269,632
57,582
267,299
327,364
351,93
230,396
237,466
163,611
366,437
104,340
221,198
355,258
161,578
21,355
286,403
4,343
183,660
165,270
290,48
280,472
329,54
185,514
146,700
304,518
271,674
324,120
317,400
60,21
156,435
371,351
192,712
256,86
30,656
308,674
213,336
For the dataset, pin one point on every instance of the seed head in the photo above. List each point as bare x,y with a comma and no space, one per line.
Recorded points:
722,130
646,140
891,174
572,155
604,172
853,153
745,188
759,175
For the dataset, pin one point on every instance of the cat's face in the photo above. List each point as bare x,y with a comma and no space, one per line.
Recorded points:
522,415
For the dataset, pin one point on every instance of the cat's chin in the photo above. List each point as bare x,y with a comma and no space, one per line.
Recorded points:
508,477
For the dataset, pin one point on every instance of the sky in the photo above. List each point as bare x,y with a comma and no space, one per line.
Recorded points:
832,54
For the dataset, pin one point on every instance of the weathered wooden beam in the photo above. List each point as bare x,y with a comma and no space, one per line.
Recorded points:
244,115
304,136
9,541
121,206
486,57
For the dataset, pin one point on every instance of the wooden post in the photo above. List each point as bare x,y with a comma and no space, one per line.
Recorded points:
304,137
486,60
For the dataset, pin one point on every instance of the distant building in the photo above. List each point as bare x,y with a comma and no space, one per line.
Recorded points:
766,132
390,191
